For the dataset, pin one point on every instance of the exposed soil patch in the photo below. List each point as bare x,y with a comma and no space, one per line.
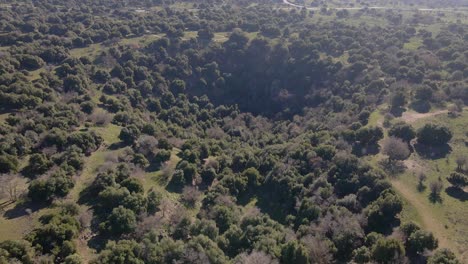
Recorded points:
411,117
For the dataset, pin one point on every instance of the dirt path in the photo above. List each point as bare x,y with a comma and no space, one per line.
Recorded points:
411,116
429,222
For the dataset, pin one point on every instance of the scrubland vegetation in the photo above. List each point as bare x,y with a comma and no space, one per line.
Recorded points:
233,132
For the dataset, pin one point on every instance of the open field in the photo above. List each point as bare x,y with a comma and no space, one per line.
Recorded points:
452,210
447,217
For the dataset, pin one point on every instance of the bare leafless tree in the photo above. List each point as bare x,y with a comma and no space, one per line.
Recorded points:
101,117
461,161
167,207
436,188
319,250
255,257
9,187
395,149
85,218
421,178
190,196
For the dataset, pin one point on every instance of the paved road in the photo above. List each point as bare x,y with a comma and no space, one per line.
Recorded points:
286,2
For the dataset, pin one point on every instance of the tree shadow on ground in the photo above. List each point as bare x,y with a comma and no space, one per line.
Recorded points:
430,152
386,229
421,106
270,203
393,167
457,193
397,111
360,150
88,196
435,198
175,186
22,209
116,146
153,166
99,240
421,187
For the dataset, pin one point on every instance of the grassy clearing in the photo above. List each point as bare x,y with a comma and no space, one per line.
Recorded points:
142,40
410,213
110,134
446,219
154,179
433,28
34,75
91,51
221,37
3,117
189,35
452,211
413,44
16,228
94,50
376,118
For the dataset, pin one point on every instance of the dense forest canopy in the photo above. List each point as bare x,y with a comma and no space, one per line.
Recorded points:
223,131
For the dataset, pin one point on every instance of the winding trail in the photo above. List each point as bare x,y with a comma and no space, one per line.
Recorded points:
411,116
428,220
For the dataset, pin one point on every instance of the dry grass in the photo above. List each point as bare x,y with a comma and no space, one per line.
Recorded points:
447,218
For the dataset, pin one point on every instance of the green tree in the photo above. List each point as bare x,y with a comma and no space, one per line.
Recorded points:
382,212
74,83
398,100
73,259
308,211
121,252
8,163
133,185
13,251
361,255
395,149
388,250
402,130
294,253
253,177
409,228
369,135
443,256
423,93
129,134
434,135
154,200
38,164
419,241
45,190
55,234
458,180
178,86
121,221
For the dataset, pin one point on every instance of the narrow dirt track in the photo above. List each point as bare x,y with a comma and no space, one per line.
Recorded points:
429,222
423,210
411,117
